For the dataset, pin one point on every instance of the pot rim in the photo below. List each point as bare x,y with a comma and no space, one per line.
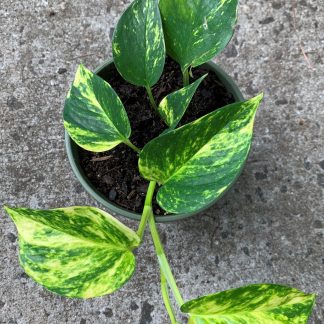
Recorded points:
72,153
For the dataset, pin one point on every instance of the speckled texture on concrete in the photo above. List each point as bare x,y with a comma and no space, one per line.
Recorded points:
268,228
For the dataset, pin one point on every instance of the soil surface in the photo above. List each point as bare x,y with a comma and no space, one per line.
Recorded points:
115,173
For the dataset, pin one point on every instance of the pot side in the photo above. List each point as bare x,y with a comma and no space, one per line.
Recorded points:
73,153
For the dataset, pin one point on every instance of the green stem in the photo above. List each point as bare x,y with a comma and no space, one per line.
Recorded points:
147,211
185,75
166,273
150,95
164,264
131,145
166,299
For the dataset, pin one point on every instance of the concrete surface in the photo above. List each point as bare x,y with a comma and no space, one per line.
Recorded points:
268,228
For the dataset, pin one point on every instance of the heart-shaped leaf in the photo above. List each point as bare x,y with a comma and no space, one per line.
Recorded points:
197,162
94,116
78,252
138,43
196,31
174,105
253,304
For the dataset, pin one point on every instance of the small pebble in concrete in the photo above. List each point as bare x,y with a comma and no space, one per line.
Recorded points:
133,306
108,312
321,164
146,312
12,237
62,70
266,21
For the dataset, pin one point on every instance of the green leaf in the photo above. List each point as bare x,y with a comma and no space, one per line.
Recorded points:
94,116
78,252
254,304
196,31
197,162
174,105
138,43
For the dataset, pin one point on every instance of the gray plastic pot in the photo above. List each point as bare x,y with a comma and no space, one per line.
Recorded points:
73,155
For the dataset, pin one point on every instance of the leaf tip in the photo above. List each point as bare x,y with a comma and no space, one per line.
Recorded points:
7,209
259,97
81,66
312,298
256,101
82,69
201,79
10,211
195,85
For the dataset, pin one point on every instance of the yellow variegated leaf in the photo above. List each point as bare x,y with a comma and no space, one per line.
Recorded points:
197,30
78,252
253,304
174,105
138,43
197,162
94,116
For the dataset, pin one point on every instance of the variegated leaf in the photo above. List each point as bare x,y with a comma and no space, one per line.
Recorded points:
78,252
94,116
254,304
138,43
174,105
195,31
197,162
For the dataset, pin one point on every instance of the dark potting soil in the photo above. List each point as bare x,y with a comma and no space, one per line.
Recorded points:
115,173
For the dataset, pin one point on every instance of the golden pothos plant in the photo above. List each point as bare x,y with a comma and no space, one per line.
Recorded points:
84,252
